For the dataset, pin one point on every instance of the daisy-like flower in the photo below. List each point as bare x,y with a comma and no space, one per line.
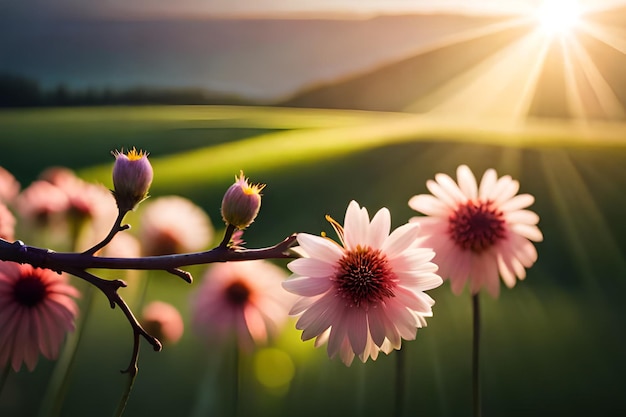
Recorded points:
173,224
478,231
9,186
36,311
367,294
243,299
7,223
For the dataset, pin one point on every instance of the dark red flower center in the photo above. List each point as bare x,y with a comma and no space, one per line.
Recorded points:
476,226
364,278
29,291
237,293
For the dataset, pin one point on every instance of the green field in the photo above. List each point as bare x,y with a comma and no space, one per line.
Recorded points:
553,345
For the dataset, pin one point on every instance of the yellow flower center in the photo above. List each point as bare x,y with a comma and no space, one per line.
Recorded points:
134,154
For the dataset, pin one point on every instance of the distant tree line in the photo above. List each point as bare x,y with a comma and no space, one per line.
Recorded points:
20,91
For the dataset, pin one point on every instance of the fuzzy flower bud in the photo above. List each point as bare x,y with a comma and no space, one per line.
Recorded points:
241,202
132,176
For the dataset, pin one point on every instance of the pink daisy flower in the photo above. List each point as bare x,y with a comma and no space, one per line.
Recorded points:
9,186
244,299
367,294
479,232
7,223
36,311
173,224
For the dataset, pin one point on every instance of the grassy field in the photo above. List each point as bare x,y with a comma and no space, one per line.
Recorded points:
552,345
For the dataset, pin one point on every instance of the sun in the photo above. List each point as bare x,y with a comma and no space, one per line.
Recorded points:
558,17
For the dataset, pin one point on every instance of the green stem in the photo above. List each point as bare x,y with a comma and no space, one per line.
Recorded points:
476,356
124,400
236,380
400,383
60,379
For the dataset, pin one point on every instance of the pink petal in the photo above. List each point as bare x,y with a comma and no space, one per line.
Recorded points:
517,202
522,216
356,225
320,248
306,286
400,239
487,183
429,205
379,228
467,182
357,330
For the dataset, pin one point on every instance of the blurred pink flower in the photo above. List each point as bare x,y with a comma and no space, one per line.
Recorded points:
36,311
478,231
163,321
367,295
173,224
40,201
244,299
86,200
7,223
9,187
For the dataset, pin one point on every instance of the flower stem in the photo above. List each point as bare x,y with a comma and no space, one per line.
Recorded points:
124,400
236,381
400,383
59,381
476,356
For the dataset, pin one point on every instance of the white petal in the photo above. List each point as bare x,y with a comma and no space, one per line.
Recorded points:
522,216
505,189
356,225
518,202
528,231
310,267
320,248
420,282
487,183
467,182
400,239
412,259
306,286
438,191
429,205
379,228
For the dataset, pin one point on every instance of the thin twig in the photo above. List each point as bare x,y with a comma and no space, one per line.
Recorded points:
117,227
65,261
109,288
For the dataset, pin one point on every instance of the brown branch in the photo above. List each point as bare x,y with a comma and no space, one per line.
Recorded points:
64,261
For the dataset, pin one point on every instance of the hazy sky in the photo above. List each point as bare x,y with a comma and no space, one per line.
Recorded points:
147,8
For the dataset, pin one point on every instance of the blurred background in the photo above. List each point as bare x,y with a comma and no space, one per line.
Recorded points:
327,102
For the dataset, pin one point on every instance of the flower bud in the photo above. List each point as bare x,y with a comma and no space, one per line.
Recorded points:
241,202
132,176
163,321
